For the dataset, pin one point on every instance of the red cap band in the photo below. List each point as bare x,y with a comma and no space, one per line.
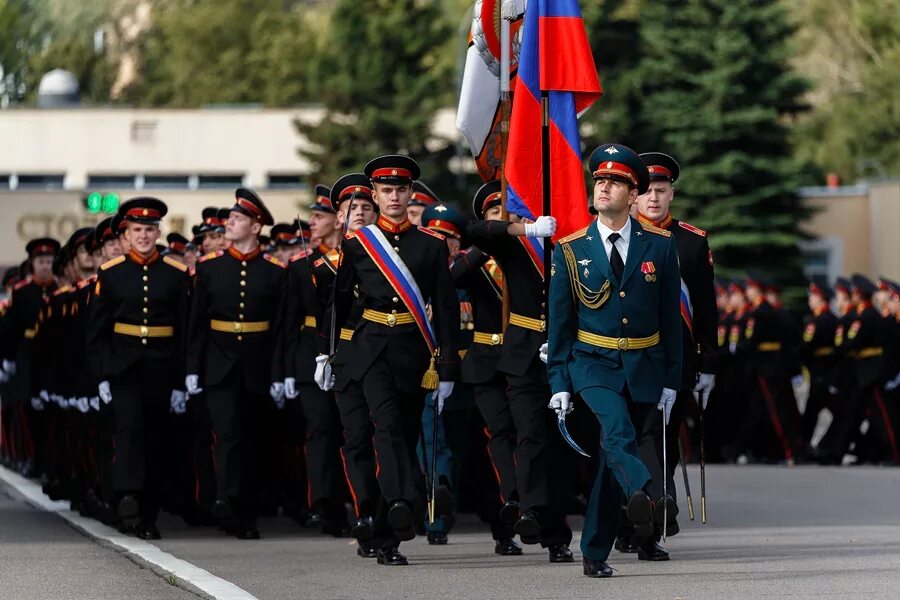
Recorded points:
491,198
249,206
43,249
360,191
657,170
614,168
144,213
284,235
391,172
444,226
424,198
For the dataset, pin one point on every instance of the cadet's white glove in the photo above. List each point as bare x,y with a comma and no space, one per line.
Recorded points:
276,390
83,405
9,366
796,381
37,404
178,402
893,383
561,402
105,394
666,401
324,378
192,385
542,227
542,353
705,384
45,396
290,388
4,376
95,403
445,388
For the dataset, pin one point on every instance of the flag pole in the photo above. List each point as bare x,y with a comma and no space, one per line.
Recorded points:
545,172
504,135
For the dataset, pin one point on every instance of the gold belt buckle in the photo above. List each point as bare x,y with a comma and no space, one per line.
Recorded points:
495,339
622,343
145,331
238,327
391,320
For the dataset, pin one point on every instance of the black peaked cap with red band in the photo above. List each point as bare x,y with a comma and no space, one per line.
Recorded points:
104,230
323,201
79,238
352,185
248,203
144,209
44,246
818,285
487,196
661,167
177,243
422,195
621,163
393,169
283,234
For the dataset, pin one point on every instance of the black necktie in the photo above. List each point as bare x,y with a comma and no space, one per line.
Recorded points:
615,259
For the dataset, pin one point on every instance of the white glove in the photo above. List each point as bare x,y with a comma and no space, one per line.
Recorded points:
290,388
705,383
276,390
324,378
796,381
67,402
37,404
9,366
542,227
192,385
561,402
445,388
105,394
666,401
893,383
732,348
178,402
83,405
95,403
45,396
4,376
542,353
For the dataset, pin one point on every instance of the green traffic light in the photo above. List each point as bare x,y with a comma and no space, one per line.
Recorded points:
94,202
110,203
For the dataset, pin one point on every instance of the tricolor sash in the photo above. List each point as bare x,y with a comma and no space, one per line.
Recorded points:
398,275
687,310
535,248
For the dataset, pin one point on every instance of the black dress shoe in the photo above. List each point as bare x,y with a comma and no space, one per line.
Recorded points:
247,533
443,500
316,520
507,547
437,539
128,507
596,568
560,553
509,513
528,528
400,520
366,552
363,529
640,514
661,508
148,532
626,545
652,552
221,510
391,557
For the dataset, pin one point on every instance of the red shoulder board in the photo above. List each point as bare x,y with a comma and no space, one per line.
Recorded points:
86,282
301,254
691,228
22,283
63,290
431,233
211,255
274,260
319,262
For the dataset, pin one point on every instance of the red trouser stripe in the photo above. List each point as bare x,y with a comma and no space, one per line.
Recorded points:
349,484
773,414
888,426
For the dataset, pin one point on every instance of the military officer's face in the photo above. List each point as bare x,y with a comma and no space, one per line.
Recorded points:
240,228
414,214
656,202
322,224
142,237
42,266
612,196
393,200
357,214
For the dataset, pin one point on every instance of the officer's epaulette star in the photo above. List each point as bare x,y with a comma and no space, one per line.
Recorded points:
574,236
431,233
691,228
274,260
63,290
22,283
656,230
301,254
111,263
211,256
175,263
86,282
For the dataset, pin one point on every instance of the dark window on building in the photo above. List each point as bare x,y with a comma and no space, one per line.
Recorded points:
220,181
165,181
40,182
119,182
283,181
4,182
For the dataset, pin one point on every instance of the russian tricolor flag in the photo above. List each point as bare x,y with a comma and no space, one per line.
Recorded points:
556,58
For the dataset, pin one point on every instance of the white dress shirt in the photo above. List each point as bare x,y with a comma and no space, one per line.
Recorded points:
621,243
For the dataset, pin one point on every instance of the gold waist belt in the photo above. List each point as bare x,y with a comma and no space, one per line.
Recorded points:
30,333
389,319
602,341
489,339
239,326
826,351
869,352
144,331
769,347
538,325
309,321
346,334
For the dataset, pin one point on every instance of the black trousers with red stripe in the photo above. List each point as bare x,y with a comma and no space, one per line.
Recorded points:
769,426
493,403
864,402
357,452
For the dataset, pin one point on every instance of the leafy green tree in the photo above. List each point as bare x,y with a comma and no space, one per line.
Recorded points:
379,81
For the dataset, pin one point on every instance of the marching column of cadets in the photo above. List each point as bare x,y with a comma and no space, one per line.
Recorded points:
346,371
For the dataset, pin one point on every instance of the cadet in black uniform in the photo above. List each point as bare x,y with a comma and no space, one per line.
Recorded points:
234,350
135,339
395,352
818,354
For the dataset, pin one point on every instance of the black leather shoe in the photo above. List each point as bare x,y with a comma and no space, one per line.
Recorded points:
672,528
363,529
366,552
640,513
528,528
652,552
128,507
507,547
315,520
148,532
400,519
661,508
437,539
509,513
391,557
596,568
626,545
222,510
247,533
560,553
443,500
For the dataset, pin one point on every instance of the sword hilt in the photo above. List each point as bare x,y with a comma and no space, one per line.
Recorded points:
690,507
703,510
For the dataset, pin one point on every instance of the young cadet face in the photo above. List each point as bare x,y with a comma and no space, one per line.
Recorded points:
656,202
84,261
612,196
493,213
111,249
212,242
142,237
42,266
283,253
240,228
414,214
322,224
357,214
816,302
393,200
124,244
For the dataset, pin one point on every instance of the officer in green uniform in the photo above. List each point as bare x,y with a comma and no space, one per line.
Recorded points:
615,339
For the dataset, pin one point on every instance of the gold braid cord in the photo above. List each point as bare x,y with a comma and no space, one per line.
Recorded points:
588,297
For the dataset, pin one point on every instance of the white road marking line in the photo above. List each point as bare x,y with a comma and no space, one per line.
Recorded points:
216,587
